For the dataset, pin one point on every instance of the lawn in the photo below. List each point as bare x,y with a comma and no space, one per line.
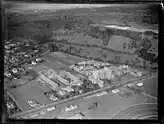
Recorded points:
116,43
29,91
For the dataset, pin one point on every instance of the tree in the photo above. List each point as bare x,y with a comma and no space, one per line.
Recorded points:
124,45
117,58
134,44
104,55
96,86
33,73
51,47
127,62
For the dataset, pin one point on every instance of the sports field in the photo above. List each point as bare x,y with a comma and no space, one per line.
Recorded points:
29,91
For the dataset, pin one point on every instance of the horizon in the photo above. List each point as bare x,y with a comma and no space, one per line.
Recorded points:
14,6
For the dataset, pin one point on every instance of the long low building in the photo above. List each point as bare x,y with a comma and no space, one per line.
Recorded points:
67,74
52,74
47,80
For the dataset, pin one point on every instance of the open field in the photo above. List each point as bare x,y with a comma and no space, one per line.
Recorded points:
30,91
95,52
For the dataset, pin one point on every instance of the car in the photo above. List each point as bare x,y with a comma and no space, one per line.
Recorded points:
71,107
33,103
36,51
38,59
26,55
115,91
33,63
140,84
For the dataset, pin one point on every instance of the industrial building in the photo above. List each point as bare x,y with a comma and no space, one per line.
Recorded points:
105,73
52,83
67,74
53,75
96,81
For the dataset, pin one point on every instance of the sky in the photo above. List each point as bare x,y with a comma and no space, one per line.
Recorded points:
34,6
41,6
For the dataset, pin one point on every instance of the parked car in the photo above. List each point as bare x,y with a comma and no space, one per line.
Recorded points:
38,59
115,91
71,107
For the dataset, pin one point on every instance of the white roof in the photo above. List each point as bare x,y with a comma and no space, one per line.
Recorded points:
68,89
115,91
140,84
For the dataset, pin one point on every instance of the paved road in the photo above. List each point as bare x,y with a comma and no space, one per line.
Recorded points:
80,96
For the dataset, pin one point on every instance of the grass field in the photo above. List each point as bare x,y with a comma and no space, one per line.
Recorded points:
99,53
30,91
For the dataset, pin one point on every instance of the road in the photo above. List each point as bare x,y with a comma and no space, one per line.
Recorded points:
80,96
